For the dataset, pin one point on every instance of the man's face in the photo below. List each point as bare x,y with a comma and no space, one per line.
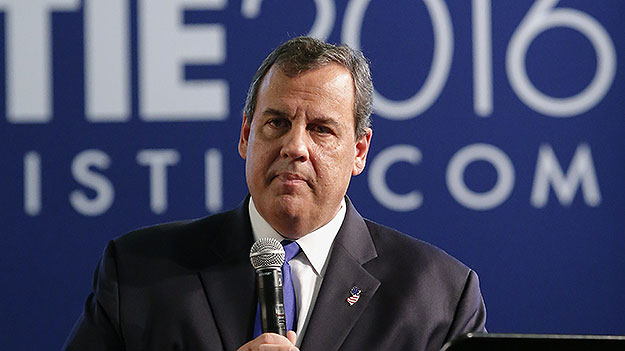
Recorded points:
300,147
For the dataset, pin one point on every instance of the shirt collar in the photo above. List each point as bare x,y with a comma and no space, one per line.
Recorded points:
315,245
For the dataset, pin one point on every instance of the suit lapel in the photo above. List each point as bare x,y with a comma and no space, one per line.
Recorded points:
332,317
229,283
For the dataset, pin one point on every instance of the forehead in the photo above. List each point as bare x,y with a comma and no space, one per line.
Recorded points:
329,88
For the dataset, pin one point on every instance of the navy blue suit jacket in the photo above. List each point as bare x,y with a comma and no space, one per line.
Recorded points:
190,286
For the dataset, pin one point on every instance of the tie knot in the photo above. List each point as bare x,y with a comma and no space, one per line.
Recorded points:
291,249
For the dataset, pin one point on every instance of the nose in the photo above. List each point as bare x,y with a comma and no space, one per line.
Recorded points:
295,145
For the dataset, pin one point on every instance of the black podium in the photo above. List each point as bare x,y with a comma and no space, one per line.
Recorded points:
535,342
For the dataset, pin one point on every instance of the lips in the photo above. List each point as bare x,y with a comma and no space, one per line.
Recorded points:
292,179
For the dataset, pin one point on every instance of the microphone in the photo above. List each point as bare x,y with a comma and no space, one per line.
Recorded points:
267,257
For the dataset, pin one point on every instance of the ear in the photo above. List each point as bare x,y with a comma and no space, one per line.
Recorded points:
245,135
362,148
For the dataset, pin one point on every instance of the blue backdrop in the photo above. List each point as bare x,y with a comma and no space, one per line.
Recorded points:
498,136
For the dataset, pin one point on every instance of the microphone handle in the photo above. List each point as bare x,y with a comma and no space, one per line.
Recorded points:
270,296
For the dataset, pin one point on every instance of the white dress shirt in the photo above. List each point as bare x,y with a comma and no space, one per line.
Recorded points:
309,266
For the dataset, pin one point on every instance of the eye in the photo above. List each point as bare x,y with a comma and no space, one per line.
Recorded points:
320,129
277,123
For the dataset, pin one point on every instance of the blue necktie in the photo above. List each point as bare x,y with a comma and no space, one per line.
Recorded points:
291,249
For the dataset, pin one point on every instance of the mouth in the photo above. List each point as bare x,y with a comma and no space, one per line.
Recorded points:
290,179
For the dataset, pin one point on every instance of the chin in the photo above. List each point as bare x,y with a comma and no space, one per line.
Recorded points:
291,206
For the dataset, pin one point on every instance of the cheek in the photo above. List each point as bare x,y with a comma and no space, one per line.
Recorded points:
260,158
335,164
255,161
253,164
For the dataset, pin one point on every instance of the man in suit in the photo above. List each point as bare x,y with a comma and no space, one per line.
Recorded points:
358,285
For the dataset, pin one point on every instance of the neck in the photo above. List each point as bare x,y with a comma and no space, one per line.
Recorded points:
294,226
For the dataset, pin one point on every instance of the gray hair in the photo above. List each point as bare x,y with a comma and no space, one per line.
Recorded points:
302,54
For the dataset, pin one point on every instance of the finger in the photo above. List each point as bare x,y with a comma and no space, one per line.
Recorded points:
267,339
292,336
277,348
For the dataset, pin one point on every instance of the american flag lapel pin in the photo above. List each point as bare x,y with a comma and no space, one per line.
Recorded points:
355,295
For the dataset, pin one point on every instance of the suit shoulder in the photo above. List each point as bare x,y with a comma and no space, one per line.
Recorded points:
393,245
174,231
191,243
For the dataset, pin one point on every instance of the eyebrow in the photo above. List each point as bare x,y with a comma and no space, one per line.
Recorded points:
273,112
325,121
317,119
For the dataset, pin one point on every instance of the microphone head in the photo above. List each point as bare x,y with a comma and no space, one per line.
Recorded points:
267,253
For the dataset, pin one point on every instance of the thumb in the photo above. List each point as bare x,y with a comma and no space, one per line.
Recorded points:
292,336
